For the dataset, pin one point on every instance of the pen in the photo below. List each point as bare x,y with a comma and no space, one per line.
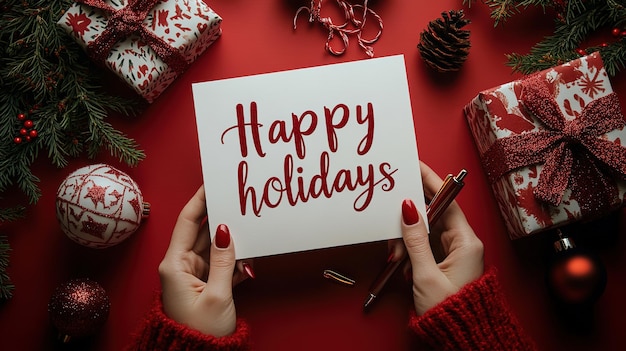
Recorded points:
449,189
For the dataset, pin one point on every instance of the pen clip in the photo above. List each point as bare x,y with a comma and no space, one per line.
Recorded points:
330,274
443,187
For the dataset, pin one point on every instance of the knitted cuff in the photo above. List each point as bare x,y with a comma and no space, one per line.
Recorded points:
475,318
159,332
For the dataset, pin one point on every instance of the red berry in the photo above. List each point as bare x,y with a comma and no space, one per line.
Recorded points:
17,140
581,52
33,133
615,32
27,138
604,45
21,116
23,131
623,33
28,123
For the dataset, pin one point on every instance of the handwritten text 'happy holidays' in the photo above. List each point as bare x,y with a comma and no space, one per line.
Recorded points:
294,188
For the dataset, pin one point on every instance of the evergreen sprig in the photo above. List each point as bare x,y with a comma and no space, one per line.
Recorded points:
6,286
47,77
576,21
501,10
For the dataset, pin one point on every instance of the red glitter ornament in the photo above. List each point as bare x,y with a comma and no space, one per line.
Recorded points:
78,308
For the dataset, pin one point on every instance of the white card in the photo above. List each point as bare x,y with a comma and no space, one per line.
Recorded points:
309,158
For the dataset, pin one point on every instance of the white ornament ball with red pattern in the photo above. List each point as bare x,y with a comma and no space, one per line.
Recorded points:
99,206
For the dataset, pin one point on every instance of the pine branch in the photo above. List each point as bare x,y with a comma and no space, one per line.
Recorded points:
502,10
576,21
103,135
614,57
11,214
6,287
562,46
46,75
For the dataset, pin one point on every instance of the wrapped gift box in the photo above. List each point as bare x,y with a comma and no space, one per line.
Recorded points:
552,146
149,54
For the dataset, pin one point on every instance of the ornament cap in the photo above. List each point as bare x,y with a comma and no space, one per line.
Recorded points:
146,210
563,243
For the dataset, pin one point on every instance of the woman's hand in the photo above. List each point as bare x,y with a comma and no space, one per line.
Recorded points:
197,275
461,248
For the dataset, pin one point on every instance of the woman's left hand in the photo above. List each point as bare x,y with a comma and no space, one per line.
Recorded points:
197,275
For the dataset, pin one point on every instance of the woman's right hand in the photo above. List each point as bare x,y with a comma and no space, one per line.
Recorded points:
463,251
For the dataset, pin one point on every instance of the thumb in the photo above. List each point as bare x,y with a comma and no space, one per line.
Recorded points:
221,264
415,238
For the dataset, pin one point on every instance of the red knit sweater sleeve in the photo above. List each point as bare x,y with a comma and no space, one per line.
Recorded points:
475,318
159,332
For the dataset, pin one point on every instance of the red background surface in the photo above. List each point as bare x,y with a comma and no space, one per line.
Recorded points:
289,305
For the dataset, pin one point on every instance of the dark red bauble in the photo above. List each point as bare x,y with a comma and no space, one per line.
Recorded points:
78,308
575,276
577,279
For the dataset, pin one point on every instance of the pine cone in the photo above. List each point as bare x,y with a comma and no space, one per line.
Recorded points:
444,46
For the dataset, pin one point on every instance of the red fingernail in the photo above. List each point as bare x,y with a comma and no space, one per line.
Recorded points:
222,236
409,212
249,270
390,257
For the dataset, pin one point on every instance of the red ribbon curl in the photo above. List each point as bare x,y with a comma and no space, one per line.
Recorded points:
344,29
572,152
126,21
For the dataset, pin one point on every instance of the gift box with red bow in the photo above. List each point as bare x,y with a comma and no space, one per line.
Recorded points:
552,146
147,43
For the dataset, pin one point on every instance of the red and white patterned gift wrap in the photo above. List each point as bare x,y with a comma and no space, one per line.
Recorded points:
552,146
188,26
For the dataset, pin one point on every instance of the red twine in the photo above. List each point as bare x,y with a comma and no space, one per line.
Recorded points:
342,30
126,21
572,152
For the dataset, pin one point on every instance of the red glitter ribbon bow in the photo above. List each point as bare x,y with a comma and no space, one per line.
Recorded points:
128,20
573,153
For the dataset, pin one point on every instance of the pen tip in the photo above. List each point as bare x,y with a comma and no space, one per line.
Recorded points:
368,302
